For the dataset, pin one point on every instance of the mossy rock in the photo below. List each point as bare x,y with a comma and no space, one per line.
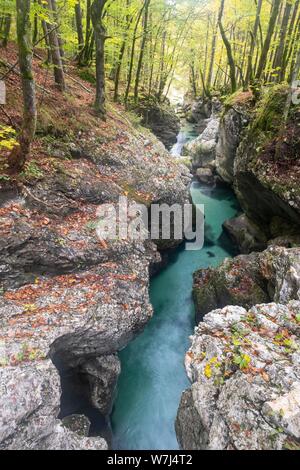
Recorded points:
236,282
269,112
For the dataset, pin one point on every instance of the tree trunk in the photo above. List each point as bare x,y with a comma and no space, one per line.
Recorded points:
78,18
295,51
267,43
121,55
24,37
142,50
100,36
289,44
59,75
59,38
249,75
162,77
294,77
228,47
45,32
6,30
131,60
212,57
278,62
35,27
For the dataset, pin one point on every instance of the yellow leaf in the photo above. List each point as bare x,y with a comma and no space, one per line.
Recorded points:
207,371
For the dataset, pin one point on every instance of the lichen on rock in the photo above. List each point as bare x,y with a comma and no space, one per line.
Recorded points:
245,375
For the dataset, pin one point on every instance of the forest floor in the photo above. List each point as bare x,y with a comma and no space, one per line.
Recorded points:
63,116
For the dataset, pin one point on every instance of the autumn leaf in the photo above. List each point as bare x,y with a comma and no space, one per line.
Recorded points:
208,371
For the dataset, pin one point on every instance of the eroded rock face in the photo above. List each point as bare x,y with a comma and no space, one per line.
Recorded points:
30,397
205,175
199,110
102,374
231,125
160,118
68,298
249,280
246,235
266,170
244,366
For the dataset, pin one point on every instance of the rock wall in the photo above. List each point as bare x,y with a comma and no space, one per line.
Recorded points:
231,126
266,173
67,298
248,280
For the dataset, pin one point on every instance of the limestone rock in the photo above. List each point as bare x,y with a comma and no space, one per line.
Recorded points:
266,176
66,297
203,148
244,366
231,125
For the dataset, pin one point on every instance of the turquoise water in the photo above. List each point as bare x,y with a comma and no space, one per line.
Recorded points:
187,133
153,375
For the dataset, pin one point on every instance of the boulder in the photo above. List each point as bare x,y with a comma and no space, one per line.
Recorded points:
79,424
200,110
205,176
159,117
203,149
244,367
31,393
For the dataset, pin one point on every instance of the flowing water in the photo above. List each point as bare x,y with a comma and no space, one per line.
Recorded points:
187,133
153,375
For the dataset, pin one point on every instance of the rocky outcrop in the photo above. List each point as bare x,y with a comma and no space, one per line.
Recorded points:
30,402
198,110
202,109
244,361
248,280
68,298
202,150
244,366
205,176
160,118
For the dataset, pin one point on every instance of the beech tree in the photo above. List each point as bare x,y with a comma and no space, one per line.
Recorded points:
270,32
97,9
24,39
55,48
228,47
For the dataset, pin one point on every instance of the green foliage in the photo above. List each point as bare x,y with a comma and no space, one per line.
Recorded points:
32,171
242,361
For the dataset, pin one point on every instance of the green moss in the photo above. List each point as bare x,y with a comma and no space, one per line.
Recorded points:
205,300
239,98
88,75
269,112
